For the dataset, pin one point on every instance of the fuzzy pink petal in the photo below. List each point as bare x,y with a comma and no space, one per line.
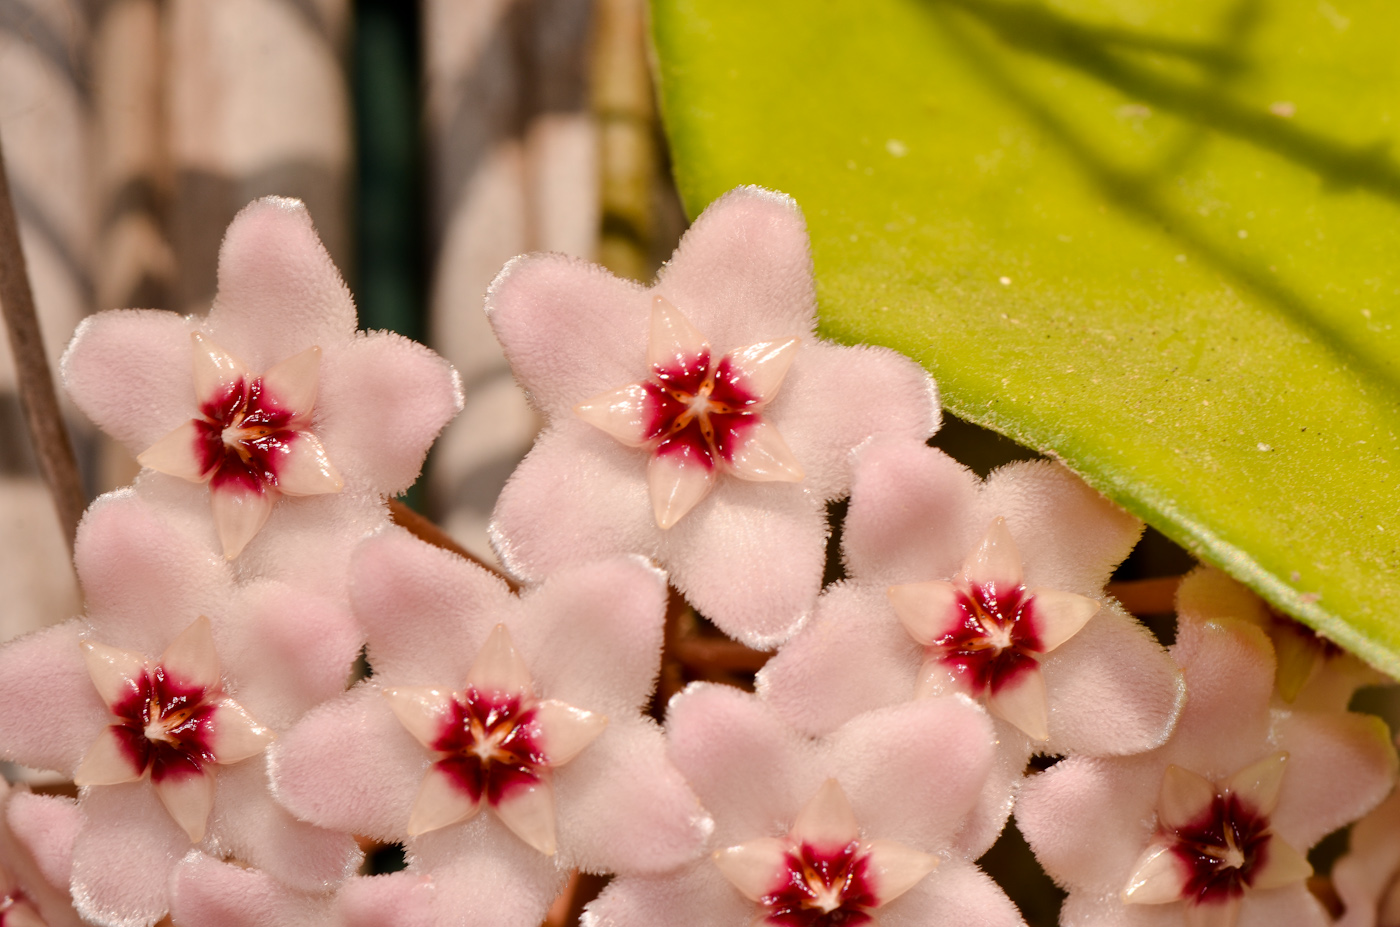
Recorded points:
145,575
279,292
1229,672
827,820
123,857
247,824
368,790
853,656
672,340
426,611
570,329
308,542
1112,689
292,383
1088,820
401,899
382,402
743,271
46,825
745,765
1340,765
289,649
988,817
593,634
49,710
1070,537
697,895
912,516
751,559
130,372
576,482
955,894
934,754
623,807
836,398
210,893
1365,877
485,875
190,658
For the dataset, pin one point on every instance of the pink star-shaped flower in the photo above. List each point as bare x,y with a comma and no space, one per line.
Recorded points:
698,422
274,393
500,737
151,708
1209,830
990,589
36,858
1367,878
854,828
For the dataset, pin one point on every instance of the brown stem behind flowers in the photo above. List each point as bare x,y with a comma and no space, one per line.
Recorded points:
40,400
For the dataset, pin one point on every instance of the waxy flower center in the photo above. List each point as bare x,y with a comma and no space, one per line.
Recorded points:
823,888
698,410
992,642
1222,849
242,433
492,744
164,726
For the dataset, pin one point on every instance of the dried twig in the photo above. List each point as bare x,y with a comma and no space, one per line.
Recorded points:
52,448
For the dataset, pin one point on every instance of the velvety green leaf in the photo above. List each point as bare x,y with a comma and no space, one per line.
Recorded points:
1158,240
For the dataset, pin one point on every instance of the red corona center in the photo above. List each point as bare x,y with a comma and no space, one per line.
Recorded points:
493,743
242,435
995,641
164,726
823,889
698,411
1223,849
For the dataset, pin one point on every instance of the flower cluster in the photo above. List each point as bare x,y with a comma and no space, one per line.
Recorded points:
230,764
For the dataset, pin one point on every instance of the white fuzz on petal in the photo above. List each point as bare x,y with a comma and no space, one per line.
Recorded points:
292,383
424,712
107,761
827,821
764,457
305,470
234,735
763,366
566,730
756,868
1022,701
177,454
499,668
529,812
929,610
674,341
239,515
677,485
191,658
1282,865
189,797
896,868
1056,616
1258,783
441,801
621,413
116,673
1159,877
995,561
1184,797
214,368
